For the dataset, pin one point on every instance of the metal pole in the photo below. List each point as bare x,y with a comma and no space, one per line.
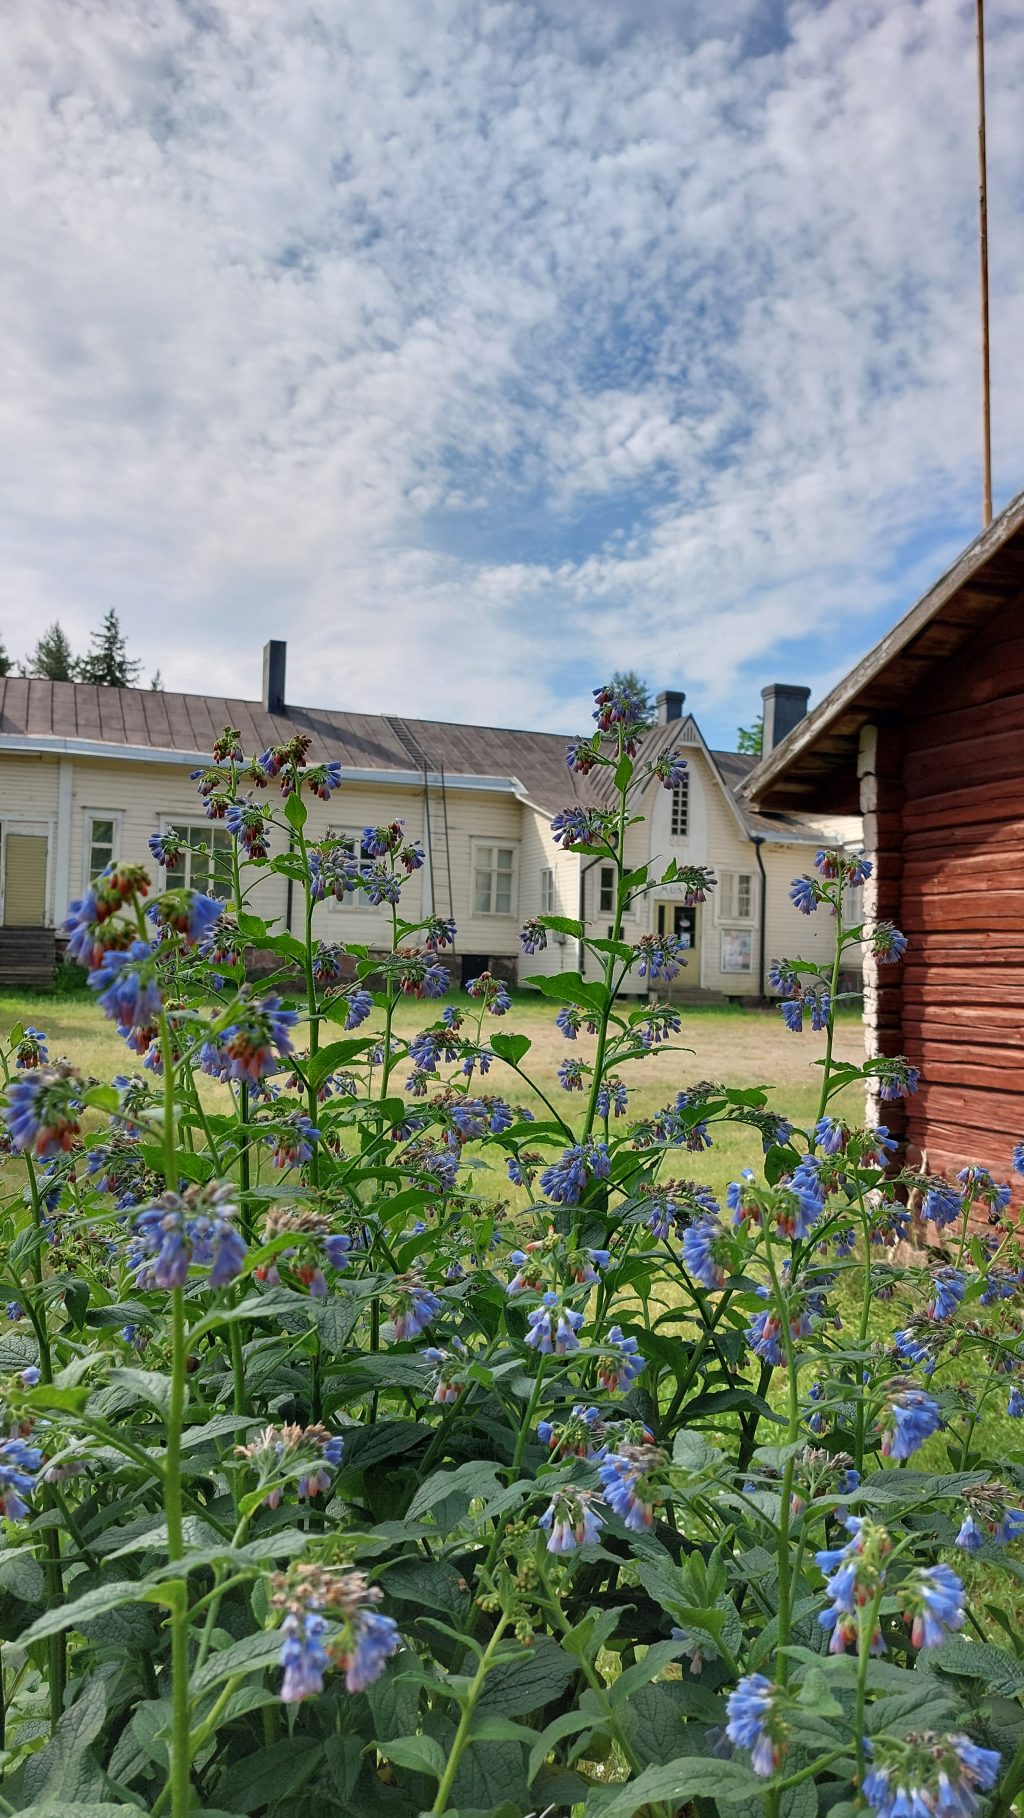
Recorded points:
986,401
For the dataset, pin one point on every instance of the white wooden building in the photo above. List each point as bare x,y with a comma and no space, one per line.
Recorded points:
87,774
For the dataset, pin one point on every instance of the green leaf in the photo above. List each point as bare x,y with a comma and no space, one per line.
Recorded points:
337,1054
570,988
692,1777
145,1385
431,1583
251,1655
530,1682
489,1727
654,1717
94,1603
295,812
571,1723
54,1775
370,1445
420,1754
692,1453
21,1576
255,1783
979,1660
394,1702
472,1480
511,1048
562,924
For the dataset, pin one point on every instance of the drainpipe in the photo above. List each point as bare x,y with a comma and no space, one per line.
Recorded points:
757,841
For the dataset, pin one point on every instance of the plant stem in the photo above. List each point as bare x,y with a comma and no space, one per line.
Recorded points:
179,1782
868,1622
466,1720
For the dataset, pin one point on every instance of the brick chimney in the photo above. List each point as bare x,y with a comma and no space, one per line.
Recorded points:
784,707
275,656
670,705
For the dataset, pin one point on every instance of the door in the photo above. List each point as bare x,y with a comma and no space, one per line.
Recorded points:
676,919
25,859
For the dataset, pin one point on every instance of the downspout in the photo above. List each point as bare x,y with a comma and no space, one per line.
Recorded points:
757,841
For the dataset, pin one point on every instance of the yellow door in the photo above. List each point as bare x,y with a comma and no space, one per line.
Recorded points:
25,880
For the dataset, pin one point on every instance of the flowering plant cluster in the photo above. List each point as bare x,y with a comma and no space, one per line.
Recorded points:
377,1442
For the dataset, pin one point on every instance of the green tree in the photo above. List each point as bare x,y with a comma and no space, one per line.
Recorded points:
5,662
108,664
750,739
156,682
629,678
52,657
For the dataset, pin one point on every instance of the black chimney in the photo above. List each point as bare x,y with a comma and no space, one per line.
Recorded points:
784,707
670,705
275,655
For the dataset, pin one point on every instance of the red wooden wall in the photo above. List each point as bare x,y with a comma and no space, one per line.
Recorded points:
961,895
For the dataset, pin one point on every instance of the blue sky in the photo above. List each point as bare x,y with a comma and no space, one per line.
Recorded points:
480,347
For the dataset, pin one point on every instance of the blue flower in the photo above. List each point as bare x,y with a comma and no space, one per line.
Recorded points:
41,1111
533,937
375,1638
969,1537
566,1179
792,1014
322,779
941,1204
175,1232
19,1464
934,1597
803,895
1017,1158
126,986
31,1050
703,1246
620,1362
496,996
188,912
571,1521
570,1021
582,827
167,849
887,944
764,1336
1015,1404
304,1657
624,1482
571,1076
896,1077
259,1039
928,1776
416,1307
553,1327
948,1288
756,1724
612,1098
293,1143
249,824
913,1418
439,933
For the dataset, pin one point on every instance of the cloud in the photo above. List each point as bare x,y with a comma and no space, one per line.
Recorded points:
479,346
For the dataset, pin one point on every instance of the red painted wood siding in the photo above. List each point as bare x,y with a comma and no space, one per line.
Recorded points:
962,902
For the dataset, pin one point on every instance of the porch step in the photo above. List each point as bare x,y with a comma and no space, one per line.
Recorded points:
27,956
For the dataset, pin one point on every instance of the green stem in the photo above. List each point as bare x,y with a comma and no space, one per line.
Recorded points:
831,1026
868,1623
56,1647
466,1719
179,1780
793,1430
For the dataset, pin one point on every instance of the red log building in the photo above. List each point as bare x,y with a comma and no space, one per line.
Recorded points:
925,737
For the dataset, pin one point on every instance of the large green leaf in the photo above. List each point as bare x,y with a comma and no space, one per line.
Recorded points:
59,1772
979,1660
94,1603
692,1777
259,1780
420,1754
530,1682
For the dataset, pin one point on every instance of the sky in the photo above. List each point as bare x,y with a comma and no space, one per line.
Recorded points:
481,347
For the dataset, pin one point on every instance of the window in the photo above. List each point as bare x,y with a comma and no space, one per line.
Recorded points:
102,843
494,879
736,897
209,870
737,947
681,809
606,887
547,891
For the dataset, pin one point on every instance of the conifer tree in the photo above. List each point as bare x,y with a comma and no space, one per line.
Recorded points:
5,662
108,664
52,658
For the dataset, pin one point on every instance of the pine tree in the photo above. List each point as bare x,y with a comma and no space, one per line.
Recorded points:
108,664
156,682
750,739
52,658
5,662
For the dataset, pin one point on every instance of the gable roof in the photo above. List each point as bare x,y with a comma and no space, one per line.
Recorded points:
147,724
815,767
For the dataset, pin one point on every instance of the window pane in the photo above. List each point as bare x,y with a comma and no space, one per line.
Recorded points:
102,833
483,857
504,858
176,874
743,896
547,892
607,888
483,893
503,895
680,807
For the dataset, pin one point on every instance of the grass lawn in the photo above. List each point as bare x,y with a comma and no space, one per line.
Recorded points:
734,1046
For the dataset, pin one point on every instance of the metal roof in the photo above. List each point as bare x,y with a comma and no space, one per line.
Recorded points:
814,769
142,723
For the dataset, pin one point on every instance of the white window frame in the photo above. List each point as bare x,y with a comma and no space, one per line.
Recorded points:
179,823
680,798
547,890
356,901
737,934
494,845
727,899
604,908
116,817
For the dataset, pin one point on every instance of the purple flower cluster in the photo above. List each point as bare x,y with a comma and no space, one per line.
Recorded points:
176,1232
566,1180
41,1111
19,1467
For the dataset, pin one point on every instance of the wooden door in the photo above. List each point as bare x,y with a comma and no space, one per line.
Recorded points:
25,856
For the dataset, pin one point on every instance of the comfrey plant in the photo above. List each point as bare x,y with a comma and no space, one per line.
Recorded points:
388,1433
